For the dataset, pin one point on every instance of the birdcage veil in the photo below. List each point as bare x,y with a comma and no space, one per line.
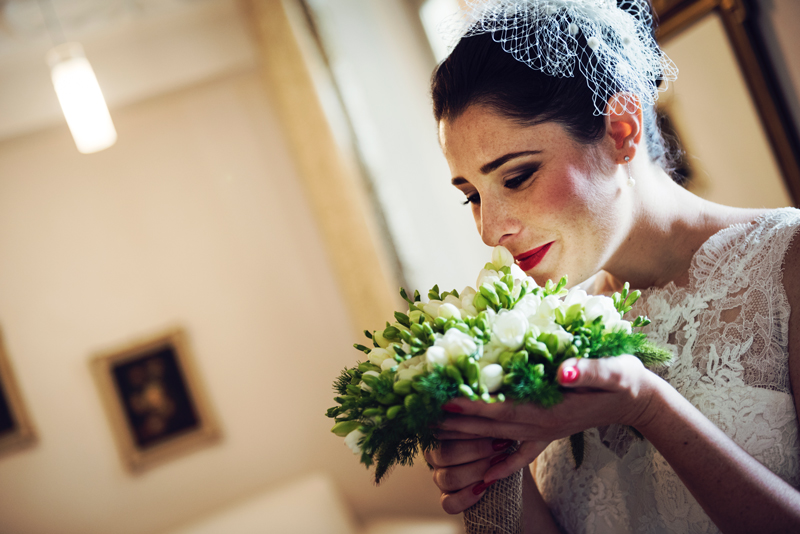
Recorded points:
611,46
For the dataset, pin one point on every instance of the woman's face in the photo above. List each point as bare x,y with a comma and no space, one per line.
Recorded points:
557,205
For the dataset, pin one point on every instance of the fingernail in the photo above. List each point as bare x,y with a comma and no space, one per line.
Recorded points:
453,408
499,458
501,444
481,487
569,374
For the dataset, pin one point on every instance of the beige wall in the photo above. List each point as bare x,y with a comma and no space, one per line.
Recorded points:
195,218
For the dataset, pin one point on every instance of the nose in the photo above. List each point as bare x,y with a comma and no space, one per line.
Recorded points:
497,224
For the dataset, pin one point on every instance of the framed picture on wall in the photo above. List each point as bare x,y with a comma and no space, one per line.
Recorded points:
16,429
154,399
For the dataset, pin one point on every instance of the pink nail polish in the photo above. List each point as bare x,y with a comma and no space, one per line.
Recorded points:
453,408
501,444
569,375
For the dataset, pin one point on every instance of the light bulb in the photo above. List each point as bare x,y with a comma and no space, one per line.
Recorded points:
81,99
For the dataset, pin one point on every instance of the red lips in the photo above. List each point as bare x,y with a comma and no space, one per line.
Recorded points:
529,260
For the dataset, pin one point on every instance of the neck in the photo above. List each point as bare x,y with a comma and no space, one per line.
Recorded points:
668,226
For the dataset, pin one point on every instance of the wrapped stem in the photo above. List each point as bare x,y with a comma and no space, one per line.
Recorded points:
500,509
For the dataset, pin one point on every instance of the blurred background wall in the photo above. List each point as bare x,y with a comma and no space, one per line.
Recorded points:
199,216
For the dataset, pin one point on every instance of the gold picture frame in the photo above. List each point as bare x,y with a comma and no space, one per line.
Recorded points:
738,19
154,399
16,428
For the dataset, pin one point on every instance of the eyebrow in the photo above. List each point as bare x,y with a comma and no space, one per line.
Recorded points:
492,165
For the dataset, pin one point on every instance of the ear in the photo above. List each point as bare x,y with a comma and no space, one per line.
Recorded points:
624,124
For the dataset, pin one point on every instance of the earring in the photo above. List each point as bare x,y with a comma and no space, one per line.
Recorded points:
631,181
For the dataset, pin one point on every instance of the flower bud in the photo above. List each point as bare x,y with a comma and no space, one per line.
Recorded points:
492,377
449,311
402,387
437,355
353,440
501,257
378,356
414,316
345,427
388,363
369,380
380,339
393,412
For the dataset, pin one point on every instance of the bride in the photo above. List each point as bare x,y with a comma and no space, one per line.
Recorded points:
545,114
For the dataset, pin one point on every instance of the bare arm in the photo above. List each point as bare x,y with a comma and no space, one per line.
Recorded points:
737,492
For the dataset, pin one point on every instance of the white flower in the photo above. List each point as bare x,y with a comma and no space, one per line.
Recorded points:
598,306
467,292
457,343
363,385
564,337
620,325
487,276
352,439
576,295
454,300
492,377
545,314
410,372
510,327
411,367
448,310
414,316
437,355
491,352
501,257
528,305
388,363
432,308
519,274
377,356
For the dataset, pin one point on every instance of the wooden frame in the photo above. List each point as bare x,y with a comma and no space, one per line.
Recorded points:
154,399
738,19
16,428
298,85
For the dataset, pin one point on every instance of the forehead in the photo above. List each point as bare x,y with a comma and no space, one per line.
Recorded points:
480,135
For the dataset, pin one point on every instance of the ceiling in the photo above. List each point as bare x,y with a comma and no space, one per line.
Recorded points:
138,49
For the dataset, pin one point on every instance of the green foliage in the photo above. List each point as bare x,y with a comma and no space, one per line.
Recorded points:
532,383
397,417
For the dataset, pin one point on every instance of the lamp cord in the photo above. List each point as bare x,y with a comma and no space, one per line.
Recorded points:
51,21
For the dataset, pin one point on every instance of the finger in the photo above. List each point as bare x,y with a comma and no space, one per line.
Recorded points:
458,452
610,374
483,426
523,457
442,435
458,501
505,411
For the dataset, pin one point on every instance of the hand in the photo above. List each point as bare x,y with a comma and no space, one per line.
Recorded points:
603,391
460,464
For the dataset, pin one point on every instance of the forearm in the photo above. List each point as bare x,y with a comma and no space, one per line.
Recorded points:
736,491
536,516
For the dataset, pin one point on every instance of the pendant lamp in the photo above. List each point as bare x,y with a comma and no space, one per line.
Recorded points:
79,93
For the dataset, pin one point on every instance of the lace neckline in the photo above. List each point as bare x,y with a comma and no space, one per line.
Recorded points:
717,240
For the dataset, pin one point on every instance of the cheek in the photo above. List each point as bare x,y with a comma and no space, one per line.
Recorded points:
563,197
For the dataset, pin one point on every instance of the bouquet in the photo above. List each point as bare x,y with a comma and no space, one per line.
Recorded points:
501,342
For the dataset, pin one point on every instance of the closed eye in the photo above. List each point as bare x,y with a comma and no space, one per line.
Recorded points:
474,198
515,182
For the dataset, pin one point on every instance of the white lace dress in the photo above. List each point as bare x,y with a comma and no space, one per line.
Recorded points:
728,330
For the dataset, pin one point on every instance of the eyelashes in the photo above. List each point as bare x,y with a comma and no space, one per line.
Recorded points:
511,183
